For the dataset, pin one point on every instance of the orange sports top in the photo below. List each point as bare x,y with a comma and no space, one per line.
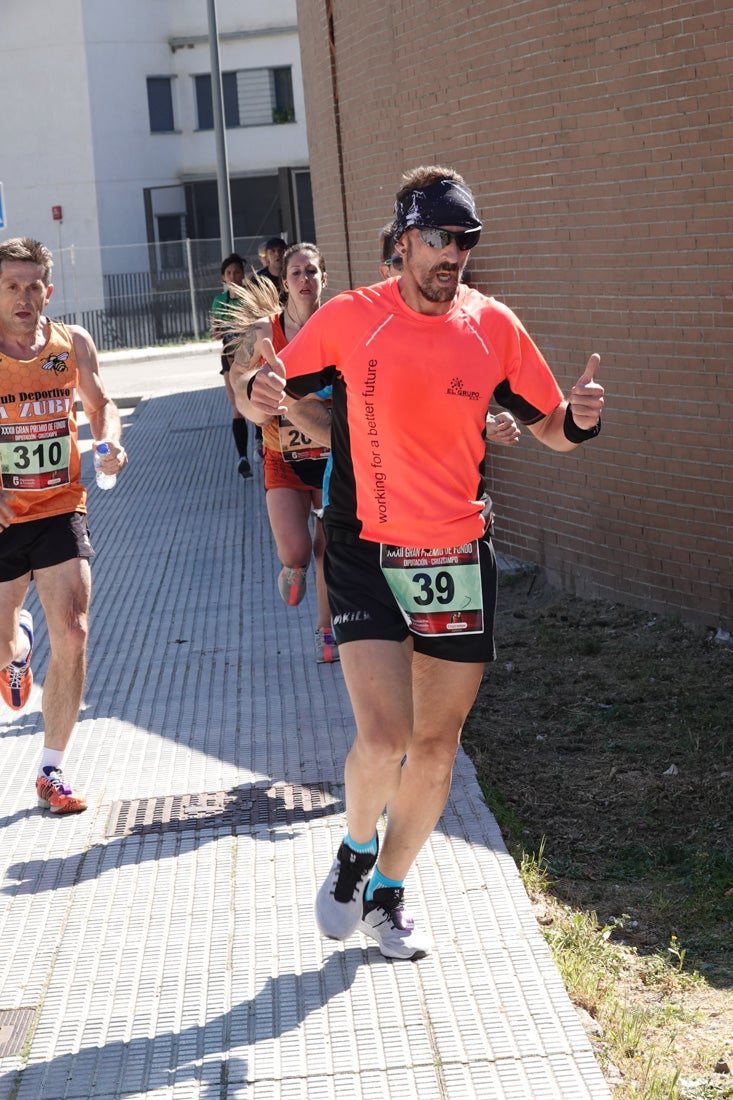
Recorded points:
39,446
410,397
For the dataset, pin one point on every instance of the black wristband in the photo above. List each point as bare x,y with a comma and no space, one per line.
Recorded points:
250,384
575,434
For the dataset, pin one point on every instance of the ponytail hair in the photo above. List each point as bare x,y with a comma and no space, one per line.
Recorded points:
257,300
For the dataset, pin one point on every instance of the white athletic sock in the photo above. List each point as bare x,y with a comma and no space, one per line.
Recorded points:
25,647
50,758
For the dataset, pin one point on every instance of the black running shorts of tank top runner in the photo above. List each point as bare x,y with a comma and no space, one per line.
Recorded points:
41,543
363,606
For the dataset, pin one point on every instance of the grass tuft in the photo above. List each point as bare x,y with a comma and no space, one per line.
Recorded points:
603,741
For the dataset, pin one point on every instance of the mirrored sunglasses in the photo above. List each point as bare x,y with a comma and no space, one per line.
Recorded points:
441,238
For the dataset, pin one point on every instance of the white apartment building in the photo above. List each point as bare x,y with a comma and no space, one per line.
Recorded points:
107,145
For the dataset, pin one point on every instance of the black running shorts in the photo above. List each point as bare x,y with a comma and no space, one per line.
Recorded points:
41,543
363,606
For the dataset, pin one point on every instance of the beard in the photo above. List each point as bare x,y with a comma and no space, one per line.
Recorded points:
439,292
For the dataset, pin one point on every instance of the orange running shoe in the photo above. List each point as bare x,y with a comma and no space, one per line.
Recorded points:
56,795
326,649
291,584
16,679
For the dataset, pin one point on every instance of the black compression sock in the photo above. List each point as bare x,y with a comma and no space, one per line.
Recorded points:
239,430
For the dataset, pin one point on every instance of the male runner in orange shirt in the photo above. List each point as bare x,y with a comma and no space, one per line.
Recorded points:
43,530
409,565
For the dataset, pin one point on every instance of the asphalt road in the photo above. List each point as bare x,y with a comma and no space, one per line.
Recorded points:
152,372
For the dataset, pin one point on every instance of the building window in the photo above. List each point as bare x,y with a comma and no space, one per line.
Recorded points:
160,104
171,234
282,84
252,97
205,106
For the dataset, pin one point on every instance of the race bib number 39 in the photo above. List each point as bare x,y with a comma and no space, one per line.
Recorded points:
438,591
35,456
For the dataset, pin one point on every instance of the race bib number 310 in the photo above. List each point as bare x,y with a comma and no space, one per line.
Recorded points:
35,456
438,591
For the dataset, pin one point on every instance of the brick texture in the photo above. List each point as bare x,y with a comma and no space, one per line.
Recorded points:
597,140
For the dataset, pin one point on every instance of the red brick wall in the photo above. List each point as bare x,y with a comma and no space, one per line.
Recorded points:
597,139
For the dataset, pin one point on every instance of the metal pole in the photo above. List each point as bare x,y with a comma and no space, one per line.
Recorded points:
222,165
72,254
192,290
61,268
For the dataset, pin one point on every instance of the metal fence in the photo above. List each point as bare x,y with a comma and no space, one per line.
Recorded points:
159,294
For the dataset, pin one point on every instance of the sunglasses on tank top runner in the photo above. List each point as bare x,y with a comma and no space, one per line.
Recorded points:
441,238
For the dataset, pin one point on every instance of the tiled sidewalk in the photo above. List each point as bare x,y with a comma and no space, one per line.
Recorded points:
163,944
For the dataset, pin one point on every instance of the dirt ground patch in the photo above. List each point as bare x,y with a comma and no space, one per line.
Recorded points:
605,734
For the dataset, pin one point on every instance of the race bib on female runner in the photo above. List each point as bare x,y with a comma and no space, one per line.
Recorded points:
296,446
438,591
35,456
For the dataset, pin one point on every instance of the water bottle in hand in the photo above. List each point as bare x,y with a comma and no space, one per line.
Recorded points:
104,481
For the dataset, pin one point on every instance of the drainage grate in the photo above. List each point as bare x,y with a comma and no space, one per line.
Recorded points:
241,807
14,1025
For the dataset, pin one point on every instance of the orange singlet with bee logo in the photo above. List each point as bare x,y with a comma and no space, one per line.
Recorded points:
40,461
